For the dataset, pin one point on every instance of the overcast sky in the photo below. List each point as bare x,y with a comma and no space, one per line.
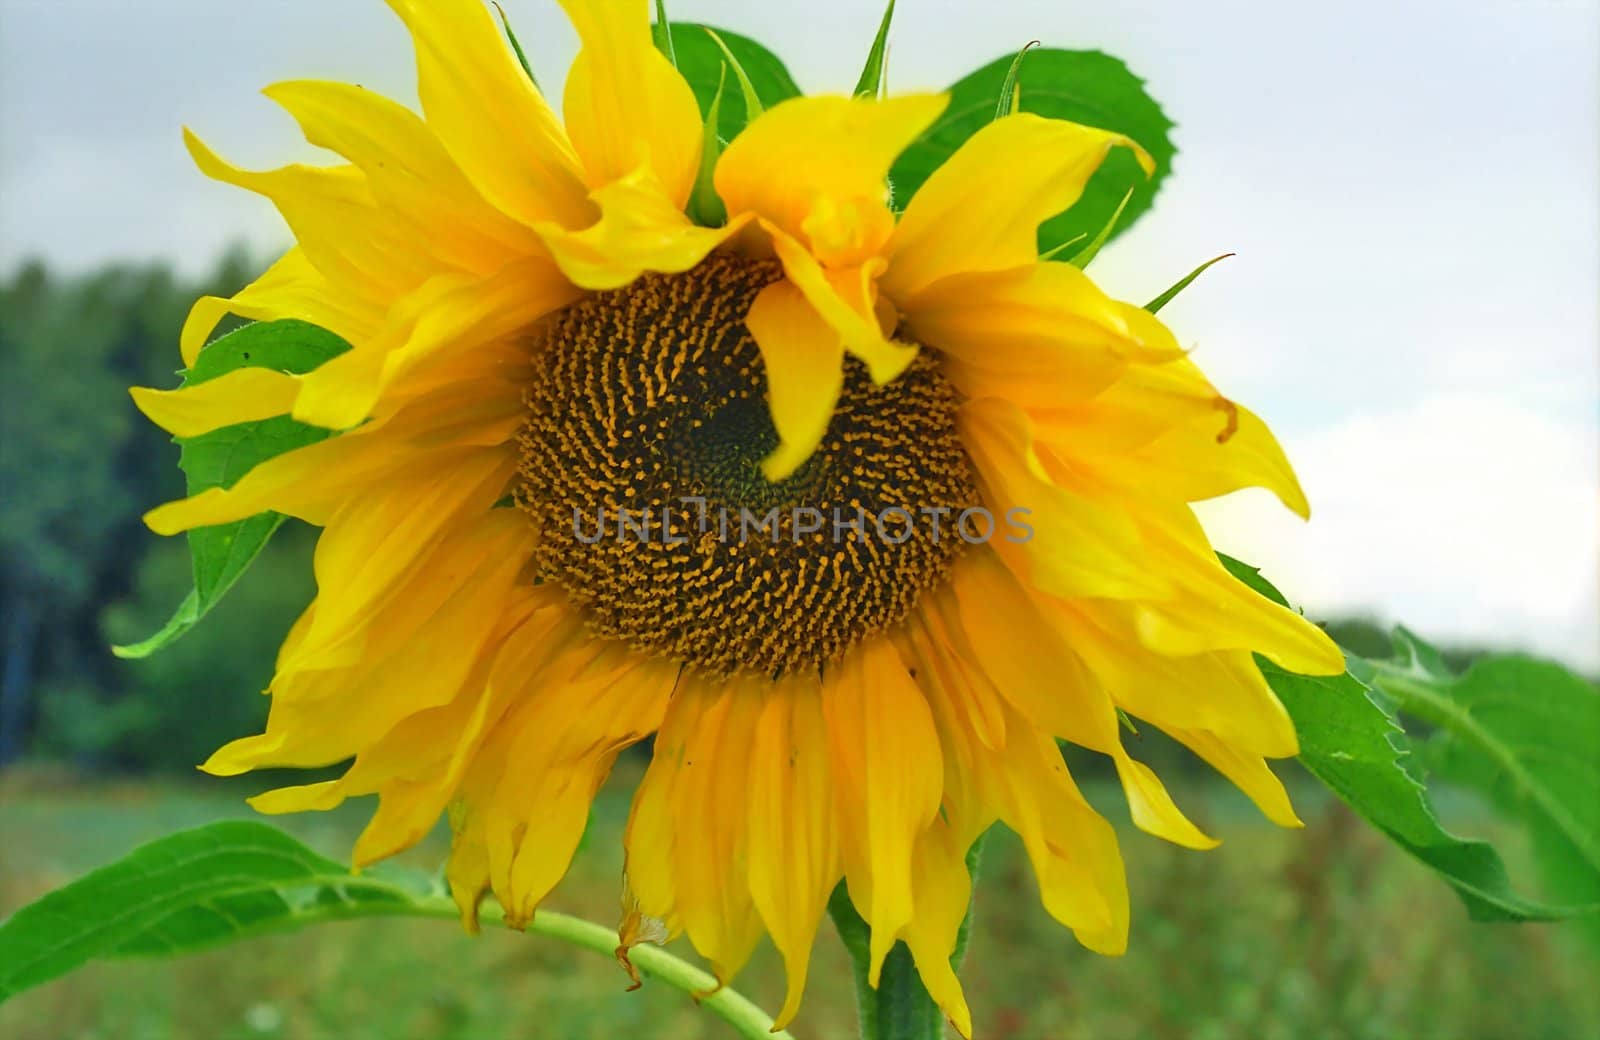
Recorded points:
1413,190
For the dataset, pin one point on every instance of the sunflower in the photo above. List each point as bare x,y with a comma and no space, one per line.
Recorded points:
968,469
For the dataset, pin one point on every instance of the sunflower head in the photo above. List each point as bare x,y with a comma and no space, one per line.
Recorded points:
641,467
857,510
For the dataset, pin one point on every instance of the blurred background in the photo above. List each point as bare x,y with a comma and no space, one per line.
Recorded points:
1413,192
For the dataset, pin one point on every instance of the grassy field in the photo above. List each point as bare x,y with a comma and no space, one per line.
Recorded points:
1322,933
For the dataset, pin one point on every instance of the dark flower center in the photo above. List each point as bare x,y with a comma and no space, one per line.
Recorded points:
641,469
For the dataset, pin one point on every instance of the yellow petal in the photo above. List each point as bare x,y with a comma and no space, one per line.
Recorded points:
1072,848
817,169
290,288
626,106
804,362
846,298
1212,610
1079,545
567,739
445,318
1152,807
1041,335
348,238
242,395
490,117
1004,637
640,229
1247,771
888,768
408,170
1222,453
313,482
712,791
377,539
942,890
982,209
794,848
975,705
1223,692
458,599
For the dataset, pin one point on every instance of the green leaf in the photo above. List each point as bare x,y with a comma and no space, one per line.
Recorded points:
1522,733
1352,743
239,879
700,61
221,553
183,892
1183,283
1083,86
871,82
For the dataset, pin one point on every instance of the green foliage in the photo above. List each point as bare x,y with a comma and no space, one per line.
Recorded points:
1330,929
1083,86
701,60
239,879
1523,734
1354,744
193,889
79,466
222,552
173,709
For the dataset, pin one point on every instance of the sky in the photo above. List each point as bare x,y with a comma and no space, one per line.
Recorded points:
1412,189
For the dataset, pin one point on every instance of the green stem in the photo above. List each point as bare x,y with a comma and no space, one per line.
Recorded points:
747,1019
900,1008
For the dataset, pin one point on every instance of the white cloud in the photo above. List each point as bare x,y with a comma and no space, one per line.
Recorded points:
1466,517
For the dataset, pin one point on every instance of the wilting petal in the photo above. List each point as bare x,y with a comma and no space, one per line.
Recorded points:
640,229
794,847
1249,772
887,767
942,890
847,300
1006,641
456,600
1072,848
